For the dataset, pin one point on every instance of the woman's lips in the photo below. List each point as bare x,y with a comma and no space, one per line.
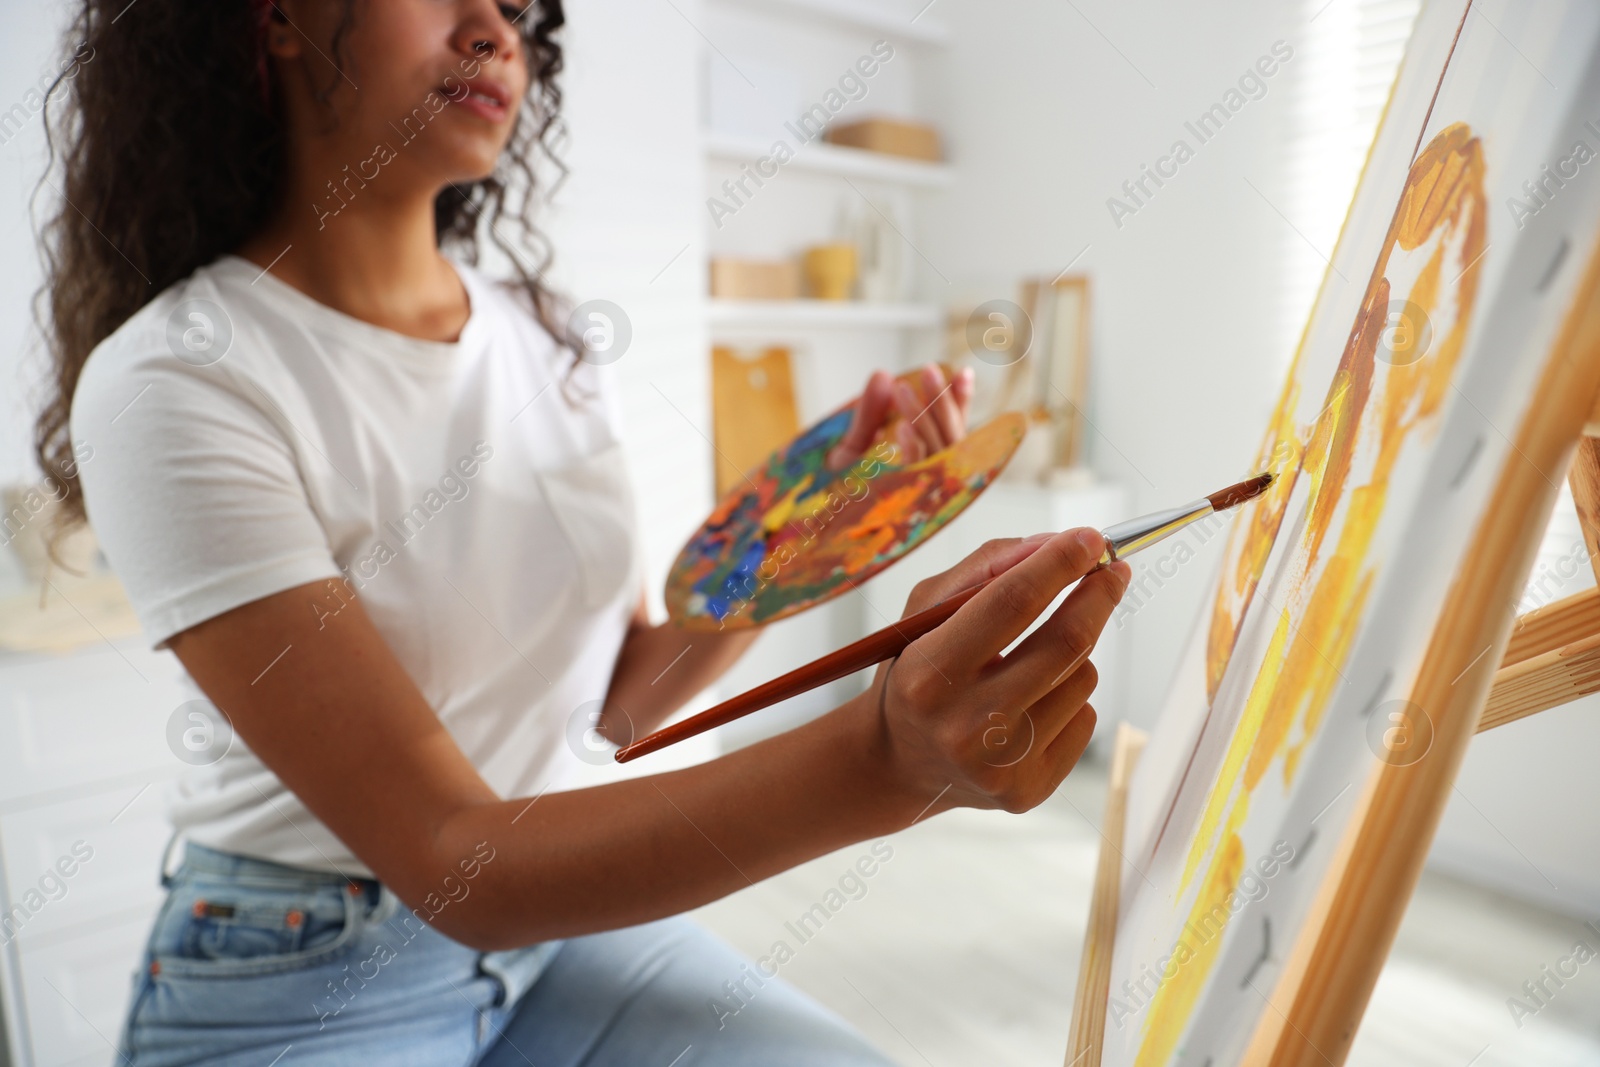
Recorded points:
484,98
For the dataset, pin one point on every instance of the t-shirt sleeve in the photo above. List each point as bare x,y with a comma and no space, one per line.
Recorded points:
192,490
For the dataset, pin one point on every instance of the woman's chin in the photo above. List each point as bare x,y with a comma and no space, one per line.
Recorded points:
468,163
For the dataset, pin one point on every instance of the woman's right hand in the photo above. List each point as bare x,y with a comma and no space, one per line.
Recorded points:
344,727
978,729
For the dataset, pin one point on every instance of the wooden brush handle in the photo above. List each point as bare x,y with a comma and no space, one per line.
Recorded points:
892,640
874,648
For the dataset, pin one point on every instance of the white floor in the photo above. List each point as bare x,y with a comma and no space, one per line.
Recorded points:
962,949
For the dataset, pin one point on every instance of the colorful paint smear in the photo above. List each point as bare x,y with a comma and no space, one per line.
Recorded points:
1348,454
797,534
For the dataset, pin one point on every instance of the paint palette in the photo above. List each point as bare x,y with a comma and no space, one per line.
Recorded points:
794,534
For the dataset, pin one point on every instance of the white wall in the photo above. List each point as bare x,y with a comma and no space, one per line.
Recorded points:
1045,121
627,228
28,35
1523,817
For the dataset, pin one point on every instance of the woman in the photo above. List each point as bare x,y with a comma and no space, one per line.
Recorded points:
372,502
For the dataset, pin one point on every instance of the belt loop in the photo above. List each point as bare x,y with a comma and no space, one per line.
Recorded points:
166,856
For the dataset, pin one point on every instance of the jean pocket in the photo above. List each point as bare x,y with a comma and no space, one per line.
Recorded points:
229,929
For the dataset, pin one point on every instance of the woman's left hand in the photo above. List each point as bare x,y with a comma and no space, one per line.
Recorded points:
924,421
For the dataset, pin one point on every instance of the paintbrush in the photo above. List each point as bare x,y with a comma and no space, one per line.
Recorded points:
1122,540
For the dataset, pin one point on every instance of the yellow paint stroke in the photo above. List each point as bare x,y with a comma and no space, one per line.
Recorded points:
1197,946
1251,536
778,514
1443,202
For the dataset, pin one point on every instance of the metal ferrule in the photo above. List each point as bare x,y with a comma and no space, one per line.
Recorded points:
1126,538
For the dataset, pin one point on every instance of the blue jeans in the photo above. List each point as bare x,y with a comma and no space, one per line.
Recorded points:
256,963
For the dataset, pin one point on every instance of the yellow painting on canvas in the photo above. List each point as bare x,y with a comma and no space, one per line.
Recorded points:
1415,315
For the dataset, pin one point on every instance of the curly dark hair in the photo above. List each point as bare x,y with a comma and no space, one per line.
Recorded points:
169,149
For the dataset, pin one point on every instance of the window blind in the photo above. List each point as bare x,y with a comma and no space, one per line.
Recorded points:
1346,60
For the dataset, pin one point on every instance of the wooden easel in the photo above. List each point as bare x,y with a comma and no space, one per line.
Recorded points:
1483,668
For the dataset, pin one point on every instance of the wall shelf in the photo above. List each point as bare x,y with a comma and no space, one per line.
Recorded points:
820,158
821,314
913,28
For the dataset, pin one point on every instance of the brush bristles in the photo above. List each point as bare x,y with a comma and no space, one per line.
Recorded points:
1235,495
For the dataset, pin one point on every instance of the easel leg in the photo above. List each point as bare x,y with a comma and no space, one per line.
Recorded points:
1094,968
1554,654
1317,1005
1584,478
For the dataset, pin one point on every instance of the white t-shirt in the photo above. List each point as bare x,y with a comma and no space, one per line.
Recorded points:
248,439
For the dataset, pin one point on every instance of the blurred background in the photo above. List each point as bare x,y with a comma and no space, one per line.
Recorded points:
775,221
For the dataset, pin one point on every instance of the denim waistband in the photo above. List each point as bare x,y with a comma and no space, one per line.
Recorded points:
198,859
515,969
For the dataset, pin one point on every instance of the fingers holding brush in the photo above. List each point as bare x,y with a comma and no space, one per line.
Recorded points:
977,747
1054,711
1029,733
992,558
955,715
988,623
1064,751
1044,743
1063,642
